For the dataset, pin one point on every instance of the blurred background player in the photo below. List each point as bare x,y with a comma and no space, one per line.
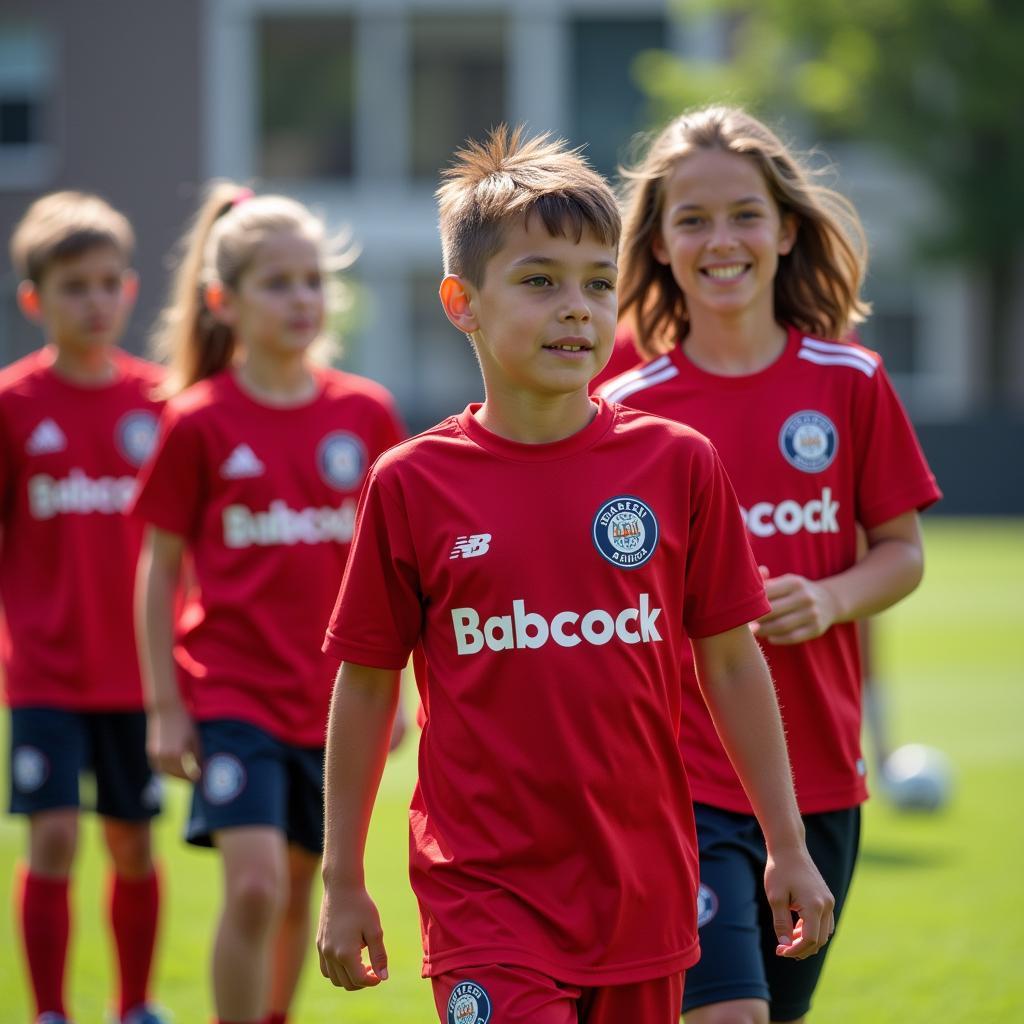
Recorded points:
553,849
737,273
77,419
260,460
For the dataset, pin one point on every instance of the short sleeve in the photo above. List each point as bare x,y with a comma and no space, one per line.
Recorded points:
893,476
724,588
171,485
7,471
378,615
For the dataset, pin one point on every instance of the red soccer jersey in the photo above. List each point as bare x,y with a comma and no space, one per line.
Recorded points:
69,455
814,444
265,498
545,588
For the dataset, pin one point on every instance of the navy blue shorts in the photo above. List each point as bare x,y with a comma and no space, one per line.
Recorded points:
251,778
51,748
737,937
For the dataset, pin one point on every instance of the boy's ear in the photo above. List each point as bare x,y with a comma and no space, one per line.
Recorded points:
455,298
28,301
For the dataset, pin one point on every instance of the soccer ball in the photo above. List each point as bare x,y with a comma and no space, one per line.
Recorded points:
918,778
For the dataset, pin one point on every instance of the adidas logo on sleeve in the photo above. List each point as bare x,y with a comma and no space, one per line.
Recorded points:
242,464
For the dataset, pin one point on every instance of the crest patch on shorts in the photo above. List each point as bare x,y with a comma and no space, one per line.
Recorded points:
341,459
469,1004
808,440
707,905
136,435
30,768
223,779
625,531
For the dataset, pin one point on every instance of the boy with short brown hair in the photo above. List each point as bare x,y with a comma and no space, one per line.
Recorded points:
77,419
551,557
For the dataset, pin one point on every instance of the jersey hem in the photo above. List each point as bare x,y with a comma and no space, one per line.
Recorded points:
571,974
727,800
57,704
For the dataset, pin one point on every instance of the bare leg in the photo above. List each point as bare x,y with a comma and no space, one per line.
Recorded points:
255,895
294,936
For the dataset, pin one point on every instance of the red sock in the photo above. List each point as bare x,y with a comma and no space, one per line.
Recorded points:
134,910
45,922
277,1018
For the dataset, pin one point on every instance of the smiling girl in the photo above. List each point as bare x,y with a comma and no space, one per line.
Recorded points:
739,274
259,463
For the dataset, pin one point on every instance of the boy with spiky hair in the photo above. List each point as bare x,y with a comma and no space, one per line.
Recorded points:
77,419
550,557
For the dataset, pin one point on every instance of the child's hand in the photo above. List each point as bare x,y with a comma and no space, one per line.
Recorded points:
802,609
172,744
793,885
349,922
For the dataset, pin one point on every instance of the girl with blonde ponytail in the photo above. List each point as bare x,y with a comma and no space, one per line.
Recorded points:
259,464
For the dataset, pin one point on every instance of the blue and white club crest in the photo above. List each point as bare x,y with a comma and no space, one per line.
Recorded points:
625,531
469,1004
30,768
135,435
809,440
341,459
223,778
707,905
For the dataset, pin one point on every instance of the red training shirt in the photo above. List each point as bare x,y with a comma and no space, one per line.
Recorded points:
814,444
265,498
545,589
69,455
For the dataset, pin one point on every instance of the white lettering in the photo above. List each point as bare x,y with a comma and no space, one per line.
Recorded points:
590,631
562,638
524,621
78,494
468,639
790,517
280,524
523,629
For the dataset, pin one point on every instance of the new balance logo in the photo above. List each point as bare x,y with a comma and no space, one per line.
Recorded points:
46,439
471,546
241,464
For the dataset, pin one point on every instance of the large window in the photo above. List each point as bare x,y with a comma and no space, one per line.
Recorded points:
607,107
26,96
306,103
892,327
457,84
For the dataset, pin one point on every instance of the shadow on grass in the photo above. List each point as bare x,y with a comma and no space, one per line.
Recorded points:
904,857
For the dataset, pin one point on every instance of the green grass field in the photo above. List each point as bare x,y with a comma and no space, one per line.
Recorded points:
934,930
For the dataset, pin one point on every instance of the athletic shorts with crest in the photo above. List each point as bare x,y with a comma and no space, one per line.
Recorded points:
250,778
53,750
737,937
508,994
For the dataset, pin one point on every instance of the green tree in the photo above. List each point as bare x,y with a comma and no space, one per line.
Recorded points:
937,82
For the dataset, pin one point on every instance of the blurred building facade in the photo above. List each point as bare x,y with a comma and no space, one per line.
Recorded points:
353,106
